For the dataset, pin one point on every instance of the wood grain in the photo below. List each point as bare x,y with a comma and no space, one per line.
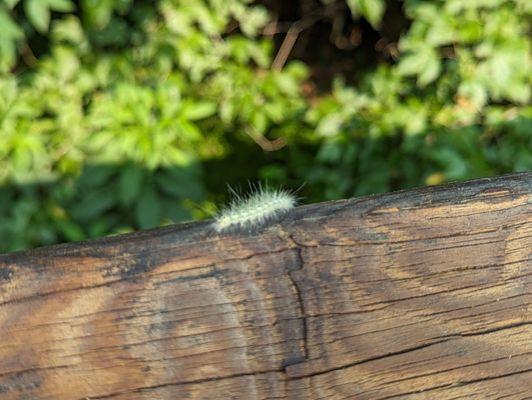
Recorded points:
422,294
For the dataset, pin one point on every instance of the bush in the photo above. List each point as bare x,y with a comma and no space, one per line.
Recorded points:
121,115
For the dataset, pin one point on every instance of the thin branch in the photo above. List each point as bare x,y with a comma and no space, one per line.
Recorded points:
285,49
28,56
264,143
295,29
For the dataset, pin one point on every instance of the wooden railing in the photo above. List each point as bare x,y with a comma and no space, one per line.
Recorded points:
421,294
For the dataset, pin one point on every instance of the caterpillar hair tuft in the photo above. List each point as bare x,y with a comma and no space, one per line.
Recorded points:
249,212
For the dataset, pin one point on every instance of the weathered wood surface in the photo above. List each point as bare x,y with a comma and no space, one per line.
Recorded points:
422,294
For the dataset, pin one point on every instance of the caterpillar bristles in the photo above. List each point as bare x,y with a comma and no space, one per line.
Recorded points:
247,213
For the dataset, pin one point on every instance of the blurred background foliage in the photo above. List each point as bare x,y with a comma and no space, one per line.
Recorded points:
117,115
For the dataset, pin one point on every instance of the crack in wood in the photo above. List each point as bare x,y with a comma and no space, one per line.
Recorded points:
455,384
359,362
301,302
183,383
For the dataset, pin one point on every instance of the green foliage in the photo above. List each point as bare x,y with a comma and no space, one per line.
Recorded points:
372,10
118,115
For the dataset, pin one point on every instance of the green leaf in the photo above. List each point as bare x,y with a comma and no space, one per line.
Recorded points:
410,64
175,211
61,5
11,3
70,230
329,152
330,125
95,177
100,226
10,33
198,110
181,184
38,13
424,63
69,29
93,205
473,91
430,71
372,10
98,12
148,210
254,19
8,27
130,184
259,121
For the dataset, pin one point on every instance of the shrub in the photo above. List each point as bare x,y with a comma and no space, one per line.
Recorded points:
121,115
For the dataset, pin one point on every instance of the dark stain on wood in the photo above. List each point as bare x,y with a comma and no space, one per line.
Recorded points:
6,273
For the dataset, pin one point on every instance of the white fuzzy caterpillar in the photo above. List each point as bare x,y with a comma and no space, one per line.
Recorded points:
250,212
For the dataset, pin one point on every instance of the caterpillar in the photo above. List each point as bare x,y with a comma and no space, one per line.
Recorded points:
250,212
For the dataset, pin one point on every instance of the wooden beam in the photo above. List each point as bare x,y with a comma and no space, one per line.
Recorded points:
421,294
